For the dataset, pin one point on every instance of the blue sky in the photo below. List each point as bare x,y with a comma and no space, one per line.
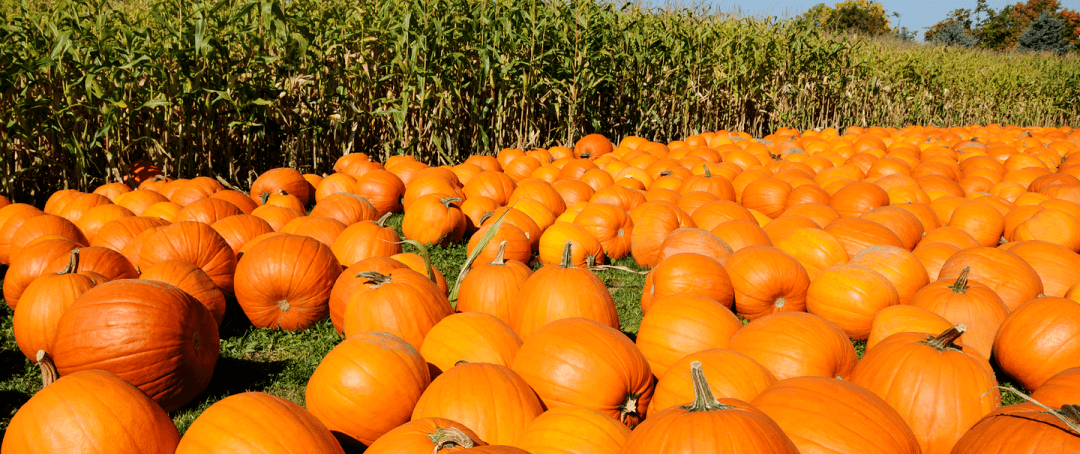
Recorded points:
914,14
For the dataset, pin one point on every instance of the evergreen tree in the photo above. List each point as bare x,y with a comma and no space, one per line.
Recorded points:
954,34
1046,32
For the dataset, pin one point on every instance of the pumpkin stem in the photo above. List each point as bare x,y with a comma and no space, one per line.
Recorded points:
263,198
382,221
590,260
585,155
704,400
567,256
374,277
426,256
665,173
960,287
485,217
447,201
629,407
945,340
73,264
460,362
708,174
448,437
1068,414
499,255
780,303
48,369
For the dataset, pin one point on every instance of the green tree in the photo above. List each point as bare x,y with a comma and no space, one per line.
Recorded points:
955,34
860,16
1046,33
1001,30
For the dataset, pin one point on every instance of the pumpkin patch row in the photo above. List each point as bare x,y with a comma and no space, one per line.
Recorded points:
946,250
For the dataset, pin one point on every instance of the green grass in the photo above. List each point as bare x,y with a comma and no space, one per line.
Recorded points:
280,362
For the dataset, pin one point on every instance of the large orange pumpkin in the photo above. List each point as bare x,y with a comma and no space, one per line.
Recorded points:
195,243
794,344
682,324
474,337
849,295
766,280
1039,339
401,302
573,430
271,425
284,282
561,291
730,374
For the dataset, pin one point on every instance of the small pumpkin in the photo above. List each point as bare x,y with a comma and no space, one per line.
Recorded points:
402,302
766,280
493,287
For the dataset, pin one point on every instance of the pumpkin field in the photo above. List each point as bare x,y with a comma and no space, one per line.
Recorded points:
870,290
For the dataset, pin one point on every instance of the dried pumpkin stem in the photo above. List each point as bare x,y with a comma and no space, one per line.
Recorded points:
708,174
960,287
1068,414
704,400
448,437
567,255
447,201
945,340
629,406
374,277
264,198
382,221
48,368
73,263
499,260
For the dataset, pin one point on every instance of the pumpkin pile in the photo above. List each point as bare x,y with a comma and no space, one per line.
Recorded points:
945,251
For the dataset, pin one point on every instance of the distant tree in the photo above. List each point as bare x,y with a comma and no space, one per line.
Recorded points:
861,16
1046,33
1001,30
904,34
960,17
954,34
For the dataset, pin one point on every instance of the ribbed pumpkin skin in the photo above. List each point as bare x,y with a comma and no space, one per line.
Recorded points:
490,399
555,292
139,200
149,333
349,281
793,344
742,429
610,225
574,430
409,305
904,318
976,306
849,296
939,393
434,219
24,270
902,268
1039,339
682,324
730,374
288,180
766,280
238,230
191,279
1019,429
687,273
196,243
1059,268
285,281
694,240
39,226
1005,273
103,261
44,301
475,337
653,221
16,213
581,362
829,416
90,411
1061,389
257,423
414,437
493,288
117,234
363,240
363,405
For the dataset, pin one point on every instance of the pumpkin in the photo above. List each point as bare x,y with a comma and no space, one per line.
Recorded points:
430,183
1050,225
363,406
163,210
434,219
112,190
766,280
907,227
284,282
495,185
968,302
561,291
682,324
794,344
849,295
426,436
149,333
38,256
1005,273
490,399
940,390
1039,339
271,425
712,214
982,221
238,230
276,216
1059,390
44,301
382,188
196,189
813,248
949,235
91,408
110,264
904,318
418,263
493,287
687,273
80,204
696,241
1026,428
580,362
828,416
1058,267
573,192
592,146
821,214
902,268
474,337
517,245
709,425
39,226
857,198
610,225
192,280
288,180
718,186
653,221
350,280
573,430
585,249
766,195
858,234
195,243
347,208
208,211
92,222
730,374
324,230
11,218
118,233
402,302
339,183
780,227
366,239
741,233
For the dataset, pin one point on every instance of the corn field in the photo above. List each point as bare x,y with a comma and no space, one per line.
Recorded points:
231,88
